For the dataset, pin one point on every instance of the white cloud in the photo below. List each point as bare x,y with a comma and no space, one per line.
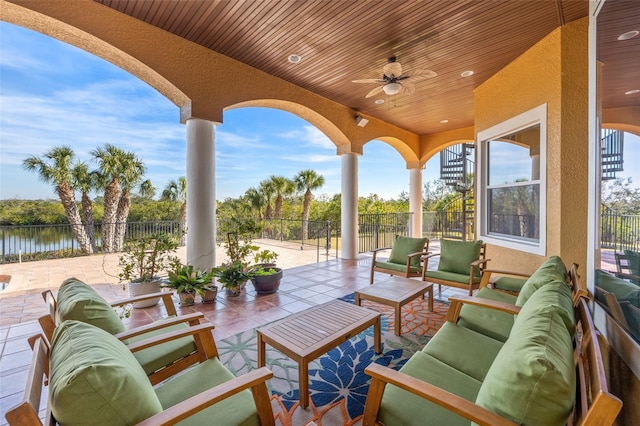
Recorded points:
309,136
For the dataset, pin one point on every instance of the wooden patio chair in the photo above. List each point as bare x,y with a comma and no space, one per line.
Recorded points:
461,264
404,260
628,266
208,391
79,301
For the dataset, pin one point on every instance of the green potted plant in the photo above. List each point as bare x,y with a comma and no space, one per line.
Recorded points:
188,281
142,262
232,277
265,279
265,258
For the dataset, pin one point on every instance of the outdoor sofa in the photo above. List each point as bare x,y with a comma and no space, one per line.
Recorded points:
529,359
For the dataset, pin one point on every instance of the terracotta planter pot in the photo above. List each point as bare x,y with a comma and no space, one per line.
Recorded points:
187,298
232,292
138,289
210,294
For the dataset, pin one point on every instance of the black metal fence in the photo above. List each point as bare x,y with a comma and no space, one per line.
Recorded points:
619,231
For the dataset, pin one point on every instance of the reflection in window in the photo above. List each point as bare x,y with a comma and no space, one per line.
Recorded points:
513,192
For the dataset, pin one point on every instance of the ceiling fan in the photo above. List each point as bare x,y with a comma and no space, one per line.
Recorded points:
395,81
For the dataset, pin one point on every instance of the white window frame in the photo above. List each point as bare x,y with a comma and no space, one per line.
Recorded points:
535,116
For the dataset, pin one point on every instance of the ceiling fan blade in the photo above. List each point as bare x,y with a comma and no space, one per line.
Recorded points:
368,80
392,68
374,91
408,88
417,75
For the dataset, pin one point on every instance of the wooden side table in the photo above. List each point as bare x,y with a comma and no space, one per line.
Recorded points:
396,292
308,334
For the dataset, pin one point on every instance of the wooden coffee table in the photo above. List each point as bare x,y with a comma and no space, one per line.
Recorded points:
308,334
396,292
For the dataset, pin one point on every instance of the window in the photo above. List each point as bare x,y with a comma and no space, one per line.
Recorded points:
511,196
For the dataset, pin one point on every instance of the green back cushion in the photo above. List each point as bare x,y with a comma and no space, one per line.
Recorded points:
552,269
78,301
96,380
622,289
532,380
633,257
403,247
457,256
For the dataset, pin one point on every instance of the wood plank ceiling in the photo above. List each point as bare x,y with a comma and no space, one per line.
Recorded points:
344,40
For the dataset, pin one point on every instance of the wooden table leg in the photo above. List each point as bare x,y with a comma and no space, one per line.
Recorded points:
377,340
303,379
262,351
398,317
431,298
358,298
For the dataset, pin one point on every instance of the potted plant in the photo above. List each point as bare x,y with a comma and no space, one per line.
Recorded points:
142,261
266,258
266,279
232,277
187,281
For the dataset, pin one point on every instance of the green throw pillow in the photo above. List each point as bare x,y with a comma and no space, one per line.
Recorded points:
78,301
532,379
403,247
457,256
552,269
95,380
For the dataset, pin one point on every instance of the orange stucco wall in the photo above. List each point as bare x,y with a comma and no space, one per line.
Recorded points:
554,71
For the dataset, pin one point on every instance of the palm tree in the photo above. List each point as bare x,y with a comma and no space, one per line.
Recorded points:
282,186
256,201
56,168
147,190
177,191
132,172
268,190
306,181
85,181
109,160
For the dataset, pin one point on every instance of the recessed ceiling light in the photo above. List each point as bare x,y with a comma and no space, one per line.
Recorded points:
467,73
294,59
628,35
444,121
379,101
632,92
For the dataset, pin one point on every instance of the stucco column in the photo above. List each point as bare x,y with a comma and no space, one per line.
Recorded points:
201,194
415,201
349,215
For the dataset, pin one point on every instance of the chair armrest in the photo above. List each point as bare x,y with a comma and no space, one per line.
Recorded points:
375,254
486,275
254,380
419,253
382,375
172,335
624,275
166,297
192,319
456,302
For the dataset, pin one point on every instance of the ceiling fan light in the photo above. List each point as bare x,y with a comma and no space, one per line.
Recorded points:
392,88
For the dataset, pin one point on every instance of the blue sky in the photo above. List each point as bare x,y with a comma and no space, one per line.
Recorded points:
52,94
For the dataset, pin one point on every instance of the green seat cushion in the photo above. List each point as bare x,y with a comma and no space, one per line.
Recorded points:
78,301
457,256
532,380
622,289
397,266
489,322
633,258
552,269
463,349
400,407
512,284
156,357
403,247
237,410
554,295
632,315
95,380
451,276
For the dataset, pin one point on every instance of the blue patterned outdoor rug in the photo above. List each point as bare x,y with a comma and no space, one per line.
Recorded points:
338,385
